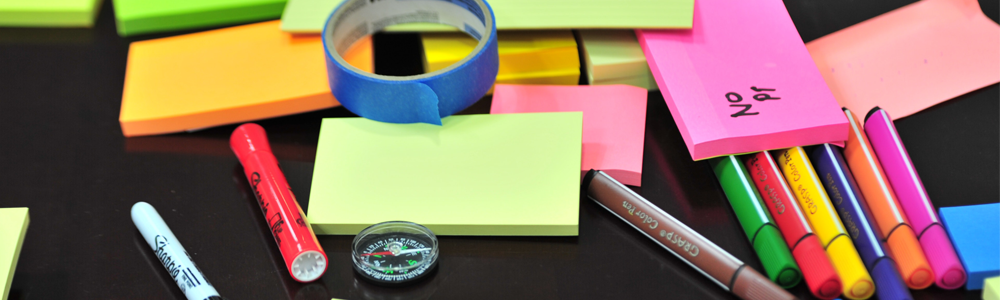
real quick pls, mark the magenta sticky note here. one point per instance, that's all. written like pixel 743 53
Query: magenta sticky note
pixel 741 80
pixel 614 121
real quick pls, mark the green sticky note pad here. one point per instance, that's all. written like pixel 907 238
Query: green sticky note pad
pixel 510 174
pixel 48 13
pixel 13 226
pixel 145 16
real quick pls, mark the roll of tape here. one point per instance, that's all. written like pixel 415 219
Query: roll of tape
pixel 410 99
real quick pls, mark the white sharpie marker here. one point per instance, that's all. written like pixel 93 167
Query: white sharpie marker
pixel 171 254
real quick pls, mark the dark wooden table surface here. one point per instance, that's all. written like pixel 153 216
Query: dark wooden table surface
pixel 62 154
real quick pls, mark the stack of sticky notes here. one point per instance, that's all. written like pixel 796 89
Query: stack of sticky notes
pixel 730 95
pixel 48 13
pixel 305 16
pixel 991 288
pixel 144 16
pixel 975 233
pixel 526 57
pixel 508 174
pixel 911 58
pixel 226 76
pixel 614 121
pixel 615 57
pixel 13 226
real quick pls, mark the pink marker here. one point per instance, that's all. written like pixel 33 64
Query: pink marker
pixel 913 198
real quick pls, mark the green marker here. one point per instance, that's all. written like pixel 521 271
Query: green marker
pixel 756 221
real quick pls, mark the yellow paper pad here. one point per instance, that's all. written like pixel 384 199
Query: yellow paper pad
pixel 227 76
pixel 615 57
pixel 526 57
pixel 510 174
pixel 309 16
pixel 13 226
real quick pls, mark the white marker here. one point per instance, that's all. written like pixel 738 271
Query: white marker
pixel 171 254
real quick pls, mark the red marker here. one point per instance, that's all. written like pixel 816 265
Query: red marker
pixel 816 267
pixel 303 255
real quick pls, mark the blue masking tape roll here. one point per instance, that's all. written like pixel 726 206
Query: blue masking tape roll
pixel 410 99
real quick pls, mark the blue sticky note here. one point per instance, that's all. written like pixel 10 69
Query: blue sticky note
pixel 975 232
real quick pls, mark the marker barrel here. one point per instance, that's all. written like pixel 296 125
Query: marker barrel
pixel 756 221
pixel 171 254
pixel 887 215
pixel 819 211
pixel 817 270
pixel 684 243
pixel 299 247
pixel 899 170
pixel 853 211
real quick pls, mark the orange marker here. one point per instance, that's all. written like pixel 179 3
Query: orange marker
pixel 889 217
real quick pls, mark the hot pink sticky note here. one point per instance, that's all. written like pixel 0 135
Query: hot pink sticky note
pixel 742 81
pixel 911 58
pixel 614 121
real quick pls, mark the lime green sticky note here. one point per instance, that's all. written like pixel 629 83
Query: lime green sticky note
pixel 13 226
pixel 614 57
pixel 309 16
pixel 144 16
pixel 509 174
pixel 991 288
pixel 48 13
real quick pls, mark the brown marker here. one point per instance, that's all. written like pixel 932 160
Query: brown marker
pixel 692 248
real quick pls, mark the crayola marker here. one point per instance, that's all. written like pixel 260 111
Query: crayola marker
pixel 913 198
pixel 817 270
pixel 757 224
pixel 895 230
pixel 819 212
pixel 853 210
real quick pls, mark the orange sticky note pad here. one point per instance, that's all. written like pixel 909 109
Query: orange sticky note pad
pixel 227 76
pixel 911 58
pixel 614 121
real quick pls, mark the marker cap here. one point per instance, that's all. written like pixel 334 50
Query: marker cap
pixel 855 278
pixel 910 259
pixel 890 285
pixel 817 270
pixel 776 258
pixel 949 271
pixel 308 266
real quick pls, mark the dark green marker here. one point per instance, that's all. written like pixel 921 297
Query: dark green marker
pixel 757 223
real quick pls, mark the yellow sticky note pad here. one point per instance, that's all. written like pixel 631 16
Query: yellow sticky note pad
pixel 13 226
pixel 509 174
pixel 526 57
pixel 819 211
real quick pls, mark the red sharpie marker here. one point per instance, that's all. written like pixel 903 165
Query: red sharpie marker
pixel 303 255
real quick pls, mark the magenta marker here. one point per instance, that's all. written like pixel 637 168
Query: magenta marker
pixel 913 198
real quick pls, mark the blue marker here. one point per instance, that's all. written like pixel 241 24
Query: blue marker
pixel 854 212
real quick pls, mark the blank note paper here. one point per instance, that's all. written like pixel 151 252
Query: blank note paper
pixel 513 174
pixel 911 58
pixel 309 16
pixel 13 226
pixel 526 57
pixel 134 17
pixel 614 121
pixel 48 13
pixel 615 57
pixel 742 81
pixel 226 76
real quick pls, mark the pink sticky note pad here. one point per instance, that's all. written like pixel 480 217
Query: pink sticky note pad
pixel 614 121
pixel 911 58
pixel 720 78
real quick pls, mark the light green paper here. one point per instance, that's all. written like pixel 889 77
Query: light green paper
pixel 615 57
pixel 13 226
pixel 146 16
pixel 48 13
pixel 309 16
pixel 510 174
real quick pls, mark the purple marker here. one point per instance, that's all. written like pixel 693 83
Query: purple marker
pixel 913 198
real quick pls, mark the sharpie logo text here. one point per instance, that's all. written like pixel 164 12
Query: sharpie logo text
pixel 182 275
pixel 275 222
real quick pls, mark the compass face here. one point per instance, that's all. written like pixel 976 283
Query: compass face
pixel 395 253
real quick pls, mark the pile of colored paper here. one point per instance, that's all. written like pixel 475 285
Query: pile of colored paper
pixel 615 57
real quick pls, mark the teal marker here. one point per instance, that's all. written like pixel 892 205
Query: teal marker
pixel 756 221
